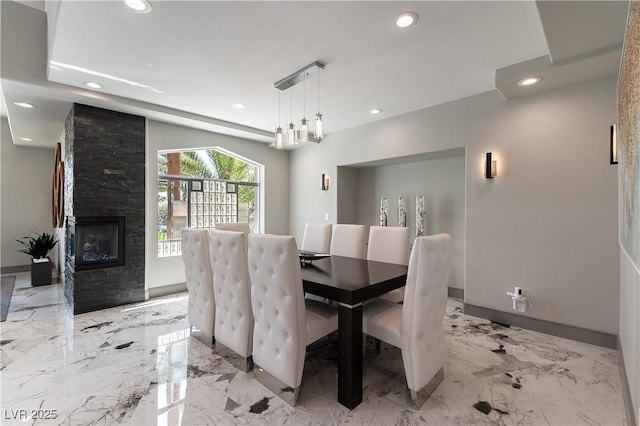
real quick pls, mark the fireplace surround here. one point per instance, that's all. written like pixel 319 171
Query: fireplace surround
pixel 104 178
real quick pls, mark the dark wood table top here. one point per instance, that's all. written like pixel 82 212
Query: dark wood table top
pixel 350 280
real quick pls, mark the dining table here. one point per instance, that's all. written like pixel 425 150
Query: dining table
pixel 350 282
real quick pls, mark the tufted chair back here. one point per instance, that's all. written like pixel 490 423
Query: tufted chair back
pixel 389 244
pixel 238 227
pixel 277 299
pixel 348 240
pixel 199 277
pixel 317 237
pixel 234 318
pixel 421 332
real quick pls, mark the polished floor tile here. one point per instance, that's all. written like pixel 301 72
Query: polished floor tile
pixel 137 365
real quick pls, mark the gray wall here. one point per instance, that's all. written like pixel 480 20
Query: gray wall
pixel 25 174
pixel 547 223
pixel 162 136
pixel 347 190
pixel 442 184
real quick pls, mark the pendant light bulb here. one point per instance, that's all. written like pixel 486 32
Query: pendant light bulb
pixel 304 131
pixel 291 135
pixel 278 135
pixel 318 132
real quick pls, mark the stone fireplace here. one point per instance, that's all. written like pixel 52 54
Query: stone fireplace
pixel 104 208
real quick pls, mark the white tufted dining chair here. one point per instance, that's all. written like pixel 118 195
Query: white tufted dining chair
pixel 317 237
pixel 348 240
pixel 389 244
pixel 416 326
pixel 234 318
pixel 199 277
pixel 238 227
pixel 285 323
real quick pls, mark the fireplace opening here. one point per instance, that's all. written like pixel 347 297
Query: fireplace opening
pixel 95 241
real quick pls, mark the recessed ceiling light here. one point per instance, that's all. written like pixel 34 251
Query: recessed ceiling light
pixel 406 19
pixel 26 139
pixel 140 6
pixel 375 111
pixel 529 81
pixel 93 84
pixel 24 104
pixel 239 106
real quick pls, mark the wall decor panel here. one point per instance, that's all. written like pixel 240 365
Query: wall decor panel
pixel 420 216
pixel 384 211
pixel 628 133
pixel 402 211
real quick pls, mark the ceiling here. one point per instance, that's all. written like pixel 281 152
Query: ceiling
pixel 188 62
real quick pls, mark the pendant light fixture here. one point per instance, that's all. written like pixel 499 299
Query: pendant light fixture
pixel 301 135
pixel 318 133
pixel 279 136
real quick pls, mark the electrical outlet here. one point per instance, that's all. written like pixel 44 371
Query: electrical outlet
pixel 326 216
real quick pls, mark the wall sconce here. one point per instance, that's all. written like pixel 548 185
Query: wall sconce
pixel 490 167
pixel 325 182
pixel 613 145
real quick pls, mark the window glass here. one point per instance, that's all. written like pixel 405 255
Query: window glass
pixel 200 189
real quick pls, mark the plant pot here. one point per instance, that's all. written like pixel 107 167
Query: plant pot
pixel 41 273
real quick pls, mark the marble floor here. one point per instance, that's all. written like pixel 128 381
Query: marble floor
pixel 137 365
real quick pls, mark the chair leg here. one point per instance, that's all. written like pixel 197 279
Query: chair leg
pixel 248 364
pixel 240 362
pixel 207 340
pixel 286 393
pixel 378 346
pixel 418 397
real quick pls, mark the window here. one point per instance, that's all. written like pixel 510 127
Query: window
pixel 199 189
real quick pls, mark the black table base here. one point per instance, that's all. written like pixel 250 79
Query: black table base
pixel 350 355
pixel 350 282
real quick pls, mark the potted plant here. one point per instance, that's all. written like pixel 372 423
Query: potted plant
pixel 38 248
